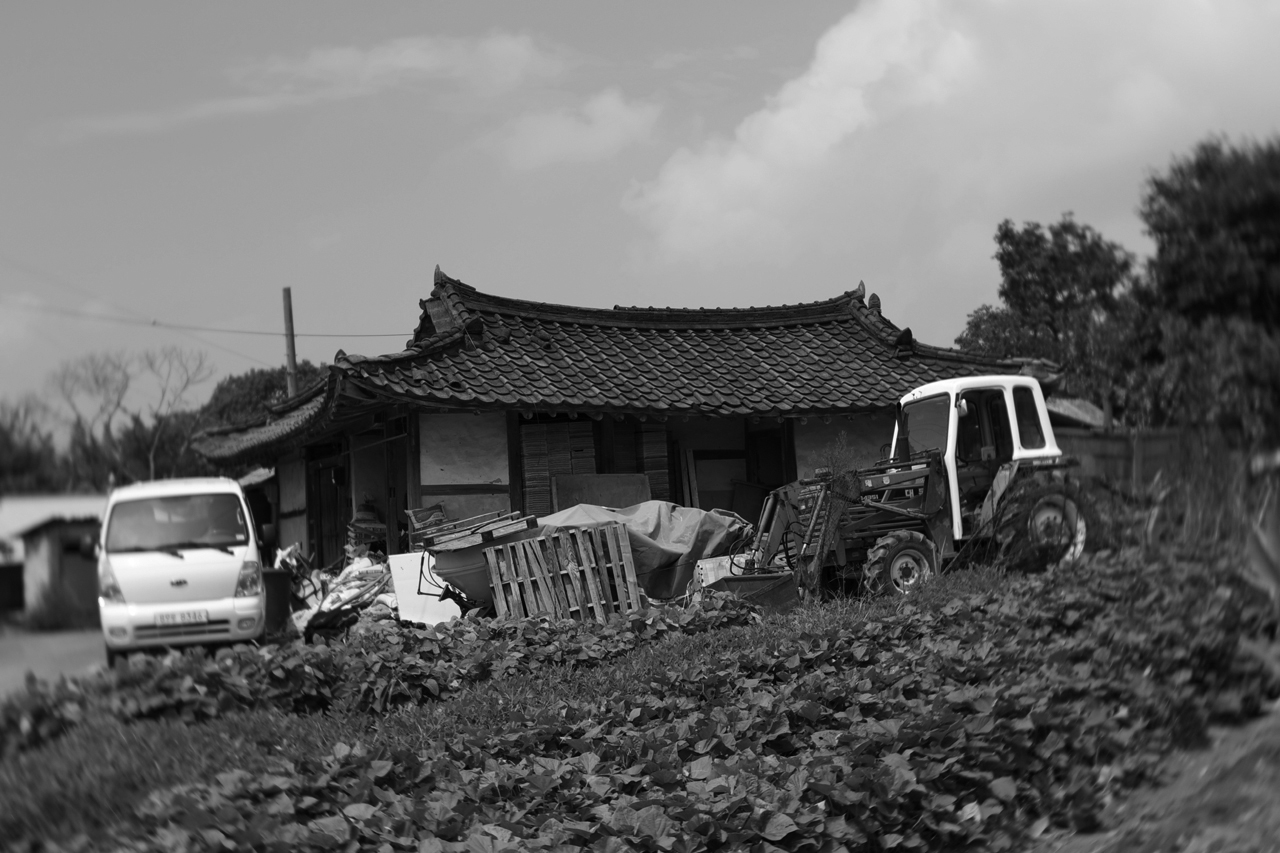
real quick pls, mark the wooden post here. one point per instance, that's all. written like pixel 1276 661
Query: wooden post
pixel 291 357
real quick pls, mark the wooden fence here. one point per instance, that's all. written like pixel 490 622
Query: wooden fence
pixel 1130 460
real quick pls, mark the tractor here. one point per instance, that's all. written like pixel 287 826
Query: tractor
pixel 973 464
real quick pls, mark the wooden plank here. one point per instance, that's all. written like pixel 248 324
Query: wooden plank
pixel 573 574
pixel 475 524
pixel 470 540
pixel 600 560
pixel 551 570
pixel 611 534
pixel 491 556
pixel 525 576
pixel 691 479
pixel 510 587
pixel 501 594
pixel 591 571
pixel 542 581
pixel 526 523
pixel 581 577
pixel 628 567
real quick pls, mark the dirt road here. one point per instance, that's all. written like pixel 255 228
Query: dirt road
pixel 48 655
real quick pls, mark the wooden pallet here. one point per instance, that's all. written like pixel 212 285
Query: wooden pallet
pixel 575 573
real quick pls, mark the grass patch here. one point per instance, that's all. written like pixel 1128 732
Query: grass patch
pixel 95 775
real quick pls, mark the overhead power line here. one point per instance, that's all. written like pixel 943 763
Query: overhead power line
pixel 161 324
pixel 59 282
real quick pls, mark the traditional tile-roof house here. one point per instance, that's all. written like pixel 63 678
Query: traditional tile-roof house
pixel 500 403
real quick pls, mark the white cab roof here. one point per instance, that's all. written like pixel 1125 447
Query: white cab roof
pixel 966 383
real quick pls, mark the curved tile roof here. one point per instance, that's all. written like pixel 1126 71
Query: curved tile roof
pixel 474 350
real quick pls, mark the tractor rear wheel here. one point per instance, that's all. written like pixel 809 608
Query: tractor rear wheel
pixel 1047 525
pixel 900 562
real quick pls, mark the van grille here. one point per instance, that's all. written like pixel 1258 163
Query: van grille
pixel 161 632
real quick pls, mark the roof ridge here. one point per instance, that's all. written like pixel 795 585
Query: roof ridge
pixel 465 302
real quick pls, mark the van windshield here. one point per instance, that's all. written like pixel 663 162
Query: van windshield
pixel 177 521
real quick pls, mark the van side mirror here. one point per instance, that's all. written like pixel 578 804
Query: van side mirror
pixel 962 406
pixel 89 546
pixel 267 536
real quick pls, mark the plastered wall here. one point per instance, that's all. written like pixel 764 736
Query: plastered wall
pixel 463 449
pixel 462 452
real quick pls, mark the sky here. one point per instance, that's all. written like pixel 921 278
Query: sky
pixel 169 165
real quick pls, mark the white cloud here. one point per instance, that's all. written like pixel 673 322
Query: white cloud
pixel 486 66
pixel 919 125
pixel 602 127
pixel 491 64
pixel 736 194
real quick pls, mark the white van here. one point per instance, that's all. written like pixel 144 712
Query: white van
pixel 178 564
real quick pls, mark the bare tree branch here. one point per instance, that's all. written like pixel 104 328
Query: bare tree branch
pixel 176 372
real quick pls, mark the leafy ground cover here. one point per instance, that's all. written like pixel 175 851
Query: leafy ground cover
pixel 385 664
pixel 974 718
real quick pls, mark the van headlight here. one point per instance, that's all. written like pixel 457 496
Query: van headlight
pixel 250 580
pixel 108 587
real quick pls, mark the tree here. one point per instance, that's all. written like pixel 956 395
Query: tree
pixel 1058 287
pixel 175 372
pixel 161 448
pixel 1215 219
pixel 1215 282
pixel 92 390
pixel 247 397
pixel 111 438
pixel 28 459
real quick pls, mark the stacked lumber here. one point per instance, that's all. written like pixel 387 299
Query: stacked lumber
pixel 550 449
pixel 537 473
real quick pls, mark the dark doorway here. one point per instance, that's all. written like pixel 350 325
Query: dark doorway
pixel 331 484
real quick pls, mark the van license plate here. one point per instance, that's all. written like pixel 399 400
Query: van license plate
pixel 187 617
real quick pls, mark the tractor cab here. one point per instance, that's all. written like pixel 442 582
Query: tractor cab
pixel 981 425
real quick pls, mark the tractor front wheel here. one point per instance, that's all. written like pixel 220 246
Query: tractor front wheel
pixel 900 562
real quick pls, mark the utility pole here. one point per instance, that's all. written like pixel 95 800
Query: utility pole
pixel 291 357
